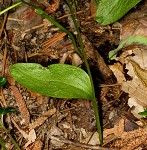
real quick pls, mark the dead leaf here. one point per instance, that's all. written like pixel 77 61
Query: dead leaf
pixel 136 87
pixel 141 73
pixel 117 69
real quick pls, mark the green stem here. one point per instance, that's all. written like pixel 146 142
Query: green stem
pixel 94 102
pixel 2 144
pixel 11 7
pixel 9 135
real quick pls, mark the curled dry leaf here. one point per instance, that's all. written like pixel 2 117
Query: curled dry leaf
pixel 137 87
pixel 117 69
pixel 135 60
pixel 141 73
pixel 134 27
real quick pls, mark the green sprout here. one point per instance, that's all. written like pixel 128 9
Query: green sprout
pixel 2 81
pixel 4 111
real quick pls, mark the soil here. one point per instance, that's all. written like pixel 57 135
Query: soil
pixel 46 123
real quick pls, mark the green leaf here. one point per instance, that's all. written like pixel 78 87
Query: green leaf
pixel 109 11
pixel 144 113
pixel 2 81
pixel 7 110
pixel 130 40
pixel 57 80
pixel 2 144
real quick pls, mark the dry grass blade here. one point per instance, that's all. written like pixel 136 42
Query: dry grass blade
pixel 49 42
pixel 21 104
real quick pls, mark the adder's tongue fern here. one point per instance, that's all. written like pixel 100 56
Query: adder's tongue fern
pixel 82 54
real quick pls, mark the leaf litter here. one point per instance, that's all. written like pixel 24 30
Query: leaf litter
pixel 66 123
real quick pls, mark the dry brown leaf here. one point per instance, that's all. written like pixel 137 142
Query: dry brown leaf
pixel 21 104
pixel 141 73
pixel 117 69
pixel 135 88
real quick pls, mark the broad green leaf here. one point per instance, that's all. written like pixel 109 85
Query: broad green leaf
pixel 130 40
pixel 57 80
pixel 144 113
pixel 109 11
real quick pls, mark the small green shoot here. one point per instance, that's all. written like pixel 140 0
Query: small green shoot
pixel 144 113
pixel 4 111
pixel 130 40
pixel 2 81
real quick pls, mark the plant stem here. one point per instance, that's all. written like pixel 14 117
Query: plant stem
pixel 9 135
pixel 11 7
pixel 94 102
pixel 2 144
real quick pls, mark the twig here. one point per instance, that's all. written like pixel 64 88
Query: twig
pixel 2 28
pixel 2 74
pixel 93 147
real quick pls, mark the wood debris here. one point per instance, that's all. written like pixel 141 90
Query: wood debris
pixel 42 119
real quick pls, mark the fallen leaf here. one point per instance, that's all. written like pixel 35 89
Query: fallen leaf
pixel 141 73
pixel 117 69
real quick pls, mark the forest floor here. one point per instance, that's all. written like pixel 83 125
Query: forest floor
pixel 46 123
